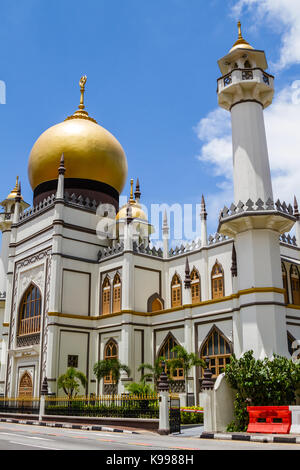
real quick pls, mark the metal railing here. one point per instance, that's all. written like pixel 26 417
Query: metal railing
pixel 22 405
pixel 111 406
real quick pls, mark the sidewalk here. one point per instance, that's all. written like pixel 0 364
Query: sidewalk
pixel 85 427
pixel 259 437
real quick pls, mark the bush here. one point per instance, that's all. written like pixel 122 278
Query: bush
pixel 188 417
pixel 267 382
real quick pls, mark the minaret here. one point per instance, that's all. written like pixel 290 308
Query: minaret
pixel 6 220
pixel 253 220
pixel 203 217
pixel 245 89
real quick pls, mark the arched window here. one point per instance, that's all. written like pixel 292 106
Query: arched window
pixel 30 311
pixel 217 281
pixel 195 286
pixel 295 284
pixel 285 284
pixel 167 353
pixel 110 352
pixel 176 291
pixel 26 386
pixel 117 293
pixel 247 65
pixel 217 349
pixel 156 305
pixel 106 296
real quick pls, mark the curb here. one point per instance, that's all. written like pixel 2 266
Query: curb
pixel 67 426
pixel 251 438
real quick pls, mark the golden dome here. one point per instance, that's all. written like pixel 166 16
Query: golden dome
pixel 90 152
pixel 241 42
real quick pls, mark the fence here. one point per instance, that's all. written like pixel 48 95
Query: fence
pixel 21 405
pixel 112 406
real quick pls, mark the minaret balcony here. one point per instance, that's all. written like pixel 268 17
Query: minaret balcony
pixel 245 85
pixel 260 215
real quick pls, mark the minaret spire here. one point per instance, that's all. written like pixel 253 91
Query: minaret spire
pixel 137 193
pixel 203 217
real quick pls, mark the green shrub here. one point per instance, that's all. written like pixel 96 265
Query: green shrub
pixel 267 382
pixel 187 417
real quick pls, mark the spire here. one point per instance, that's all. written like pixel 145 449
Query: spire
pixel 60 193
pixel 61 168
pixel 187 280
pixel 233 262
pixel 18 199
pixel 203 212
pixel 296 211
pixel 165 234
pixel 203 217
pixel 137 193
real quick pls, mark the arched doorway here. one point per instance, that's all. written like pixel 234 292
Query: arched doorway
pixel 25 386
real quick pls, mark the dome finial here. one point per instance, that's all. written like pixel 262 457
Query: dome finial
pixel 82 83
pixel 241 42
pixel 131 200
pixel 240 30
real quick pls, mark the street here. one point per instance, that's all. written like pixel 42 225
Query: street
pixel 32 437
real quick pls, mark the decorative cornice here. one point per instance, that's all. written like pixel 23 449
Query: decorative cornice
pixel 253 290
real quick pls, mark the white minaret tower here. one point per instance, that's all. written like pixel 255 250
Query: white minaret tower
pixel 253 220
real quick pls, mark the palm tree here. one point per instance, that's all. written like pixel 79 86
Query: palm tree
pixel 71 380
pixel 185 361
pixel 111 367
pixel 155 370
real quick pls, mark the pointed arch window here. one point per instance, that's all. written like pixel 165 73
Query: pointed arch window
pixel 106 296
pixel 217 350
pixel 295 284
pixel 167 353
pixel 285 283
pixel 195 286
pixel 247 64
pixel 156 305
pixel 110 352
pixel 30 311
pixel 117 293
pixel 176 295
pixel 217 281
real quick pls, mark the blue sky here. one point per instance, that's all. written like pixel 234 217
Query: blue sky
pixel 152 70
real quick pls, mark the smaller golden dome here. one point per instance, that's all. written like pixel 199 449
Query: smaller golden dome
pixel 14 192
pixel 132 209
pixel 241 43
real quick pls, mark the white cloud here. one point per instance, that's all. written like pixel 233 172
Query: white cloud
pixel 284 17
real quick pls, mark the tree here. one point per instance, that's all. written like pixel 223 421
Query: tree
pixel 257 382
pixel 155 370
pixel 110 366
pixel 70 381
pixel 184 360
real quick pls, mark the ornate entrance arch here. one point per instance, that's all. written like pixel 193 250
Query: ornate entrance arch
pixel 26 385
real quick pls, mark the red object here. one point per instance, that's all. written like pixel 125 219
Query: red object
pixel 269 419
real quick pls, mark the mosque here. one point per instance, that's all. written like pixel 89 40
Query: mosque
pixel 80 281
